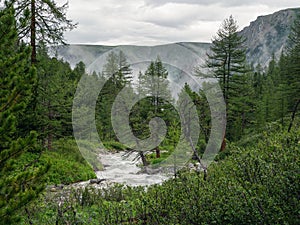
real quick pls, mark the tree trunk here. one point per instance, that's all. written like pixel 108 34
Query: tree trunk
pixel 223 146
pixel 198 158
pixel 157 151
pixel 144 160
pixel 49 127
pixel 293 115
pixel 33 32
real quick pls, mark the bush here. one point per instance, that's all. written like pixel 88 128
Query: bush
pixel 67 164
pixel 114 146
pixel 254 185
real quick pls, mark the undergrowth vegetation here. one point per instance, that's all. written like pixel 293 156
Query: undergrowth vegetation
pixel 254 185
pixel 67 164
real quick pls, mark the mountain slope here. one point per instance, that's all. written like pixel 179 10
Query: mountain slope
pixel 265 36
pixel 268 35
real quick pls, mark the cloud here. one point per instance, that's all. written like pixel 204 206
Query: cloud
pixel 176 15
pixel 226 3
pixel 150 22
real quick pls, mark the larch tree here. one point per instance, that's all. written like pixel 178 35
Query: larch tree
pixel 156 85
pixel 41 21
pixel 117 68
pixel 227 59
pixel 227 55
pixel 116 74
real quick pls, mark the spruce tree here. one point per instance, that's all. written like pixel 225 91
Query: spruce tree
pixel 156 84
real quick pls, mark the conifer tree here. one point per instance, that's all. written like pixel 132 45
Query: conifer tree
pixel 281 92
pixel 227 60
pixel 227 55
pixel 56 87
pixel 41 21
pixel 156 86
pixel 20 176
pixel 139 113
pixel 293 67
pixel 258 86
pixel 117 68
pixel 294 61
pixel 241 106
pixel 118 74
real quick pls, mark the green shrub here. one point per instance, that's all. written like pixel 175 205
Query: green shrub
pixel 253 185
pixel 66 163
pixel 114 146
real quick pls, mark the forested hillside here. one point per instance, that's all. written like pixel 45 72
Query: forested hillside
pixel 47 138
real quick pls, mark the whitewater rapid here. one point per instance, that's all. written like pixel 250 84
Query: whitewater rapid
pixel 124 170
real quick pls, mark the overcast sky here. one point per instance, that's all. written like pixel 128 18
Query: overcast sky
pixel 152 22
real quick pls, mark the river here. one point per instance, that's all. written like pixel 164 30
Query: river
pixel 120 169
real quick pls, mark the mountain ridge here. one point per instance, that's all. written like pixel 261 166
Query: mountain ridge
pixel 265 36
